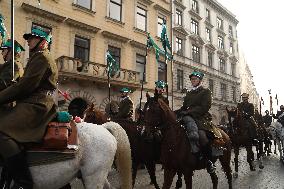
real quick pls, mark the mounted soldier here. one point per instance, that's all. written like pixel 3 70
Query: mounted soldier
pixel 280 115
pixel 6 69
pixel 125 108
pixel 267 119
pixel 160 87
pixel 247 111
pixel 197 119
pixel 34 108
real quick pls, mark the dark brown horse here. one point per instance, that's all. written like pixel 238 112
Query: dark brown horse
pixel 240 137
pixel 176 153
pixel 143 151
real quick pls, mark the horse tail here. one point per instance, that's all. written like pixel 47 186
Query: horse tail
pixel 123 154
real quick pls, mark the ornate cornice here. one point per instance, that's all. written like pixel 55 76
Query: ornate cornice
pixel 233 59
pixel 179 4
pixel 41 12
pixel 210 46
pixel 180 30
pixel 232 38
pixel 222 53
pixel 137 44
pixel 160 8
pixel 195 15
pixel 115 36
pixel 196 39
pixel 82 25
pixel 148 2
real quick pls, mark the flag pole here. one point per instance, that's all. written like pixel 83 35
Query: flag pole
pixel 108 82
pixel 12 38
pixel 172 65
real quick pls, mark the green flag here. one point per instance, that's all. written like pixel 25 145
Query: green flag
pixel 164 38
pixel 3 30
pixel 112 65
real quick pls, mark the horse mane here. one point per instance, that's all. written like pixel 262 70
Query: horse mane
pixel 95 115
pixel 170 116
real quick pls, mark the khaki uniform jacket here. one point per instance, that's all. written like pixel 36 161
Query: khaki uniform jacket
pixel 198 103
pixel 125 110
pixel 6 73
pixel 27 121
pixel 247 111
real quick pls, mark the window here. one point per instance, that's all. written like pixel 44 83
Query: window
pixel 231 48
pixel 210 59
pixel 141 19
pixel 211 86
pixel 230 31
pixel 223 91
pixel 178 17
pixel 233 69
pixel 208 34
pixel 195 53
pixel 195 6
pixel 115 7
pixel 208 15
pixel 140 62
pixel 115 53
pixel 220 42
pixel 161 71
pixel 160 24
pixel 179 79
pixel 234 94
pixel 81 48
pixel 194 26
pixel 222 65
pixel 179 46
pixel 219 23
pixel 84 3
pixel 45 28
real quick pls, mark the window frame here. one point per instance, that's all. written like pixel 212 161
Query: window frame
pixel 143 77
pixel 220 23
pixel 159 25
pixel 231 31
pixel 222 64
pixel 194 6
pixel 194 26
pixel 145 17
pixel 164 71
pixel 210 59
pixel 195 53
pixel 178 20
pixel 211 86
pixel 234 96
pixel 179 51
pixel 233 69
pixel 223 90
pixel 231 49
pixel 86 49
pixel 91 4
pixel 120 5
pixel 208 34
pixel 115 56
pixel 221 42
pixel 180 79
pixel 207 12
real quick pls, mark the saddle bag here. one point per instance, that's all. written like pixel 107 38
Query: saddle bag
pixel 56 136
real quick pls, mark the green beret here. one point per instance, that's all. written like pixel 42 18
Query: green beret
pixel 8 44
pixel 125 90
pixel 160 84
pixel 198 74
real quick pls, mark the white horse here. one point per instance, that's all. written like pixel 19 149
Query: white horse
pixel 98 146
pixel 277 132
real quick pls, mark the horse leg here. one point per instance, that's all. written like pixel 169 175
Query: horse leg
pixel 168 177
pixel 225 161
pixel 260 158
pixel 250 157
pixel 134 172
pixel 236 160
pixel 214 179
pixel 179 180
pixel 188 179
pixel 151 167
pixel 278 143
pixel 275 146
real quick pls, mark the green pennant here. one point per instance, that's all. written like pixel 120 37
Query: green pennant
pixel 112 65
pixel 164 38
pixel 3 30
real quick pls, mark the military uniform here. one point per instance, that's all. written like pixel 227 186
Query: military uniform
pixel 267 119
pixel 33 93
pixel 279 116
pixel 125 110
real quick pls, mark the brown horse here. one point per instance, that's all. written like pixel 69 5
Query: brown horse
pixel 176 153
pixel 240 137
pixel 143 151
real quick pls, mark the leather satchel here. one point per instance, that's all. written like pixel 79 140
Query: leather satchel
pixel 56 136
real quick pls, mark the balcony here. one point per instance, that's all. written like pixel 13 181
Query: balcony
pixel 70 67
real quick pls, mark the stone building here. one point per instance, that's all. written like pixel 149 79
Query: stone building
pixel 205 39
pixel 83 30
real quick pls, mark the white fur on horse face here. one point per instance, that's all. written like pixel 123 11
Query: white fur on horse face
pixel 97 148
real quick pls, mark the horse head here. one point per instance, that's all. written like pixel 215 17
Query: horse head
pixel 92 115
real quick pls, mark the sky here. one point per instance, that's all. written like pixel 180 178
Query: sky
pixel 260 34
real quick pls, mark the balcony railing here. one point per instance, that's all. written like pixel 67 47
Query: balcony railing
pixel 72 67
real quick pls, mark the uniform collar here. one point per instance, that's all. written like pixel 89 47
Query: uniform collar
pixel 124 98
pixel 195 88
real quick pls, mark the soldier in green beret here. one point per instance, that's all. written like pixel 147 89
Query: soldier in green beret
pixel 125 108
pixel 6 69
pixel 247 110
pixel 197 119
pixel 34 109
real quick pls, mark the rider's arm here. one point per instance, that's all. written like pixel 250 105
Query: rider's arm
pixel 126 109
pixel 35 72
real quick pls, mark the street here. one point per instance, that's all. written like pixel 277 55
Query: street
pixel 271 177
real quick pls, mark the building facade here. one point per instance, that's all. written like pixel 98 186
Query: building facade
pixel 205 39
pixel 247 83
pixel 83 31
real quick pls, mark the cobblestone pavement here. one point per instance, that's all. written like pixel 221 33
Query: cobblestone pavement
pixel 271 177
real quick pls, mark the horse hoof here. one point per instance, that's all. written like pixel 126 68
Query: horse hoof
pixel 235 175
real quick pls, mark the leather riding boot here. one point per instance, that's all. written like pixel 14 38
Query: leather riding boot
pixel 19 170
pixel 207 153
pixel 6 179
